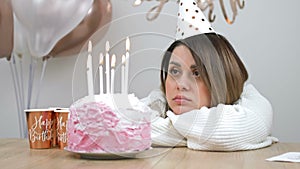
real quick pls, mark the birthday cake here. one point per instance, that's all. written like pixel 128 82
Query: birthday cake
pixel 109 124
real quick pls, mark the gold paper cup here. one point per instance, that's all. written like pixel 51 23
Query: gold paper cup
pixel 54 133
pixel 61 117
pixel 40 123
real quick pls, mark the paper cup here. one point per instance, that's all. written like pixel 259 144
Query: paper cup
pixel 54 137
pixel 40 123
pixel 61 117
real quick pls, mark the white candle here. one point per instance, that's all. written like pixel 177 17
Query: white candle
pixel 127 64
pixel 123 75
pixel 90 47
pixel 89 70
pixel 127 44
pixel 113 64
pixel 107 70
pixel 137 2
pixel 101 58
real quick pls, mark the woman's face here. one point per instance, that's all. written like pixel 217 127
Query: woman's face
pixel 185 90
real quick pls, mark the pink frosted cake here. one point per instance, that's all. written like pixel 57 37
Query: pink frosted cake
pixel 109 123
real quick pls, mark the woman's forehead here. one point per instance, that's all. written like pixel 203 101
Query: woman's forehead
pixel 183 56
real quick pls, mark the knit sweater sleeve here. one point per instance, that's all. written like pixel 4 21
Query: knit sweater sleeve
pixel 163 132
pixel 243 126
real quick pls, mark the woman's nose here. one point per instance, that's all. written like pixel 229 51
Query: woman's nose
pixel 183 83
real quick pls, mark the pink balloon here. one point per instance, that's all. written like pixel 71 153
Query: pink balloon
pixel 6 28
pixel 99 15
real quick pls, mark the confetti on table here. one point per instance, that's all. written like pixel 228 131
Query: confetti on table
pixel 286 157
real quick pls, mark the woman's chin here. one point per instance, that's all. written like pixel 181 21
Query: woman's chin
pixel 181 110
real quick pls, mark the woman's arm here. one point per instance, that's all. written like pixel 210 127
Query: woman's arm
pixel 163 133
pixel 156 101
pixel 162 130
pixel 243 126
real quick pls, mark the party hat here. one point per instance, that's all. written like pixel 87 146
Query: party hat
pixel 191 20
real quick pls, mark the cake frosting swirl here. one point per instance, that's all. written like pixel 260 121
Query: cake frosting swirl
pixel 109 123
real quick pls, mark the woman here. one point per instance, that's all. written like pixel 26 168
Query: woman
pixel 207 103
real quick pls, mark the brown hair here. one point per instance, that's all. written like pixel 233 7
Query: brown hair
pixel 221 69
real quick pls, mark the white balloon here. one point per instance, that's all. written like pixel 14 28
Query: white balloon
pixel 20 46
pixel 45 22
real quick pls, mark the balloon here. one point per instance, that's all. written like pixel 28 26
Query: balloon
pixel 99 15
pixel 20 46
pixel 45 22
pixel 6 28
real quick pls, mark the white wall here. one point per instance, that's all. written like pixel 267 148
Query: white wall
pixel 265 35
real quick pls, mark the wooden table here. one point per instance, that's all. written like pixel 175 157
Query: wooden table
pixel 15 154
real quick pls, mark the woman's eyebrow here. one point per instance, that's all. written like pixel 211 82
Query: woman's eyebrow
pixel 175 63
pixel 195 67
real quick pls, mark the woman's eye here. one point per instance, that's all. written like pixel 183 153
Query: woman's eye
pixel 174 71
pixel 196 73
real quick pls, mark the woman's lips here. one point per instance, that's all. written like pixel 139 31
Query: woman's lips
pixel 180 99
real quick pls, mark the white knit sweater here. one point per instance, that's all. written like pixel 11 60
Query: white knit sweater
pixel 245 125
